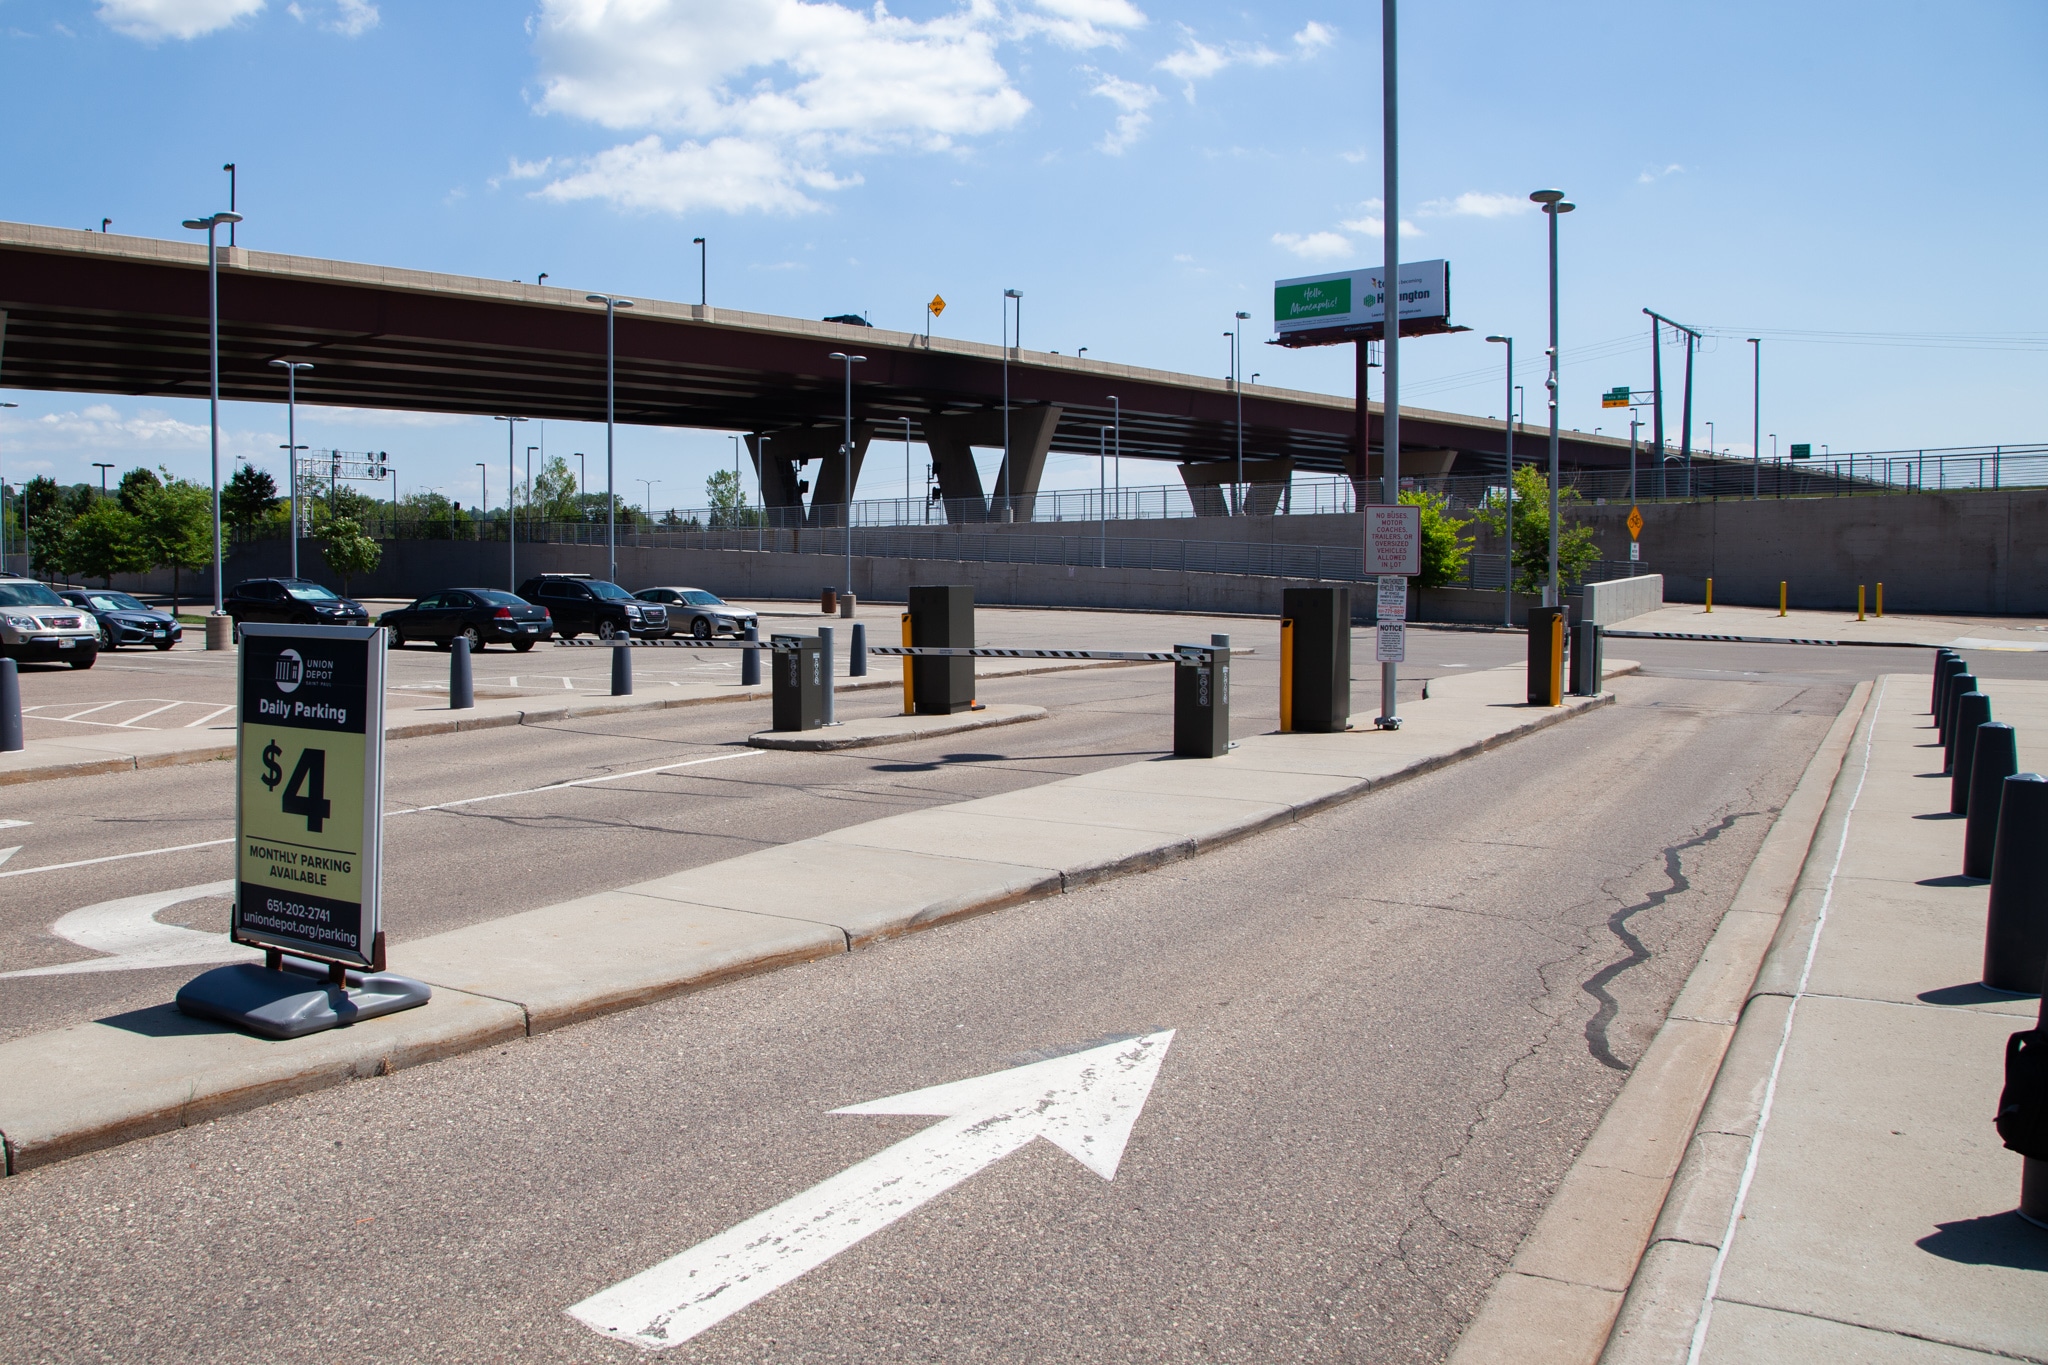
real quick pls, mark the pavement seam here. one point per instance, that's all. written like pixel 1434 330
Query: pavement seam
pixel 1504 1331
pixel 1990 1352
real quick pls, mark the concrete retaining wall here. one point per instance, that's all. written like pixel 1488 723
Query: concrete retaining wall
pixel 1621 598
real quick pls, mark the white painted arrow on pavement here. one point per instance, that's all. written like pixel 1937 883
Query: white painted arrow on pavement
pixel 1084 1103
pixel 127 928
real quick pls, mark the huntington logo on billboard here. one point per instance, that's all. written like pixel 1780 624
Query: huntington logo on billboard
pixel 309 792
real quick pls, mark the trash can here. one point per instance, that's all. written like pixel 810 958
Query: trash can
pixel 942 617
pixel 798 685
pixel 1588 667
pixel 1201 703
pixel 1315 660
pixel 1546 656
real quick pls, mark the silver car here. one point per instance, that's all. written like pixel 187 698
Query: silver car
pixel 703 614
pixel 36 625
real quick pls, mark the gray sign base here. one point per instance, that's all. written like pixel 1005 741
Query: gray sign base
pixel 296 1001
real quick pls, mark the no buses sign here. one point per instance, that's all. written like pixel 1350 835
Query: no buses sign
pixel 309 791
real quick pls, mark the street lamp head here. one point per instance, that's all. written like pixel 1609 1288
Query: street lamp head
pixel 849 359
pixel 1242 317
pixel 1012 294
pixel 608 300
pixel 1500 339
pixel 1546 196
pixel 293 365
pixel 212 220
pixel 696 241
pixel 1566 207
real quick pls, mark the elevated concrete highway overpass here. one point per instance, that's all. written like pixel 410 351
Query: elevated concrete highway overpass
pixel 91 313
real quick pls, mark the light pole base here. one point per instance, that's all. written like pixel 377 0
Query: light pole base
pixel 220 631
pixel 1386 722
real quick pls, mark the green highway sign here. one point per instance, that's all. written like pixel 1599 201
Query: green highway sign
pixel 1802 451
pixel 1616 397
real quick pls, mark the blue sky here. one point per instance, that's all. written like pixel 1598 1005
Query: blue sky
pixel 1870 171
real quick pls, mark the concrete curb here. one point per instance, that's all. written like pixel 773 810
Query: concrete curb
pixel 1619 1239
pixel 94 1085
pixel 872 730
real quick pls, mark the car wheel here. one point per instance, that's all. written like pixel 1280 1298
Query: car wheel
pixel 607 630
pixel 167 644
pixel 85 661
pixel 700 628
pixel 107 640
pixel 475 638
pixel 398 639
pixel 521 646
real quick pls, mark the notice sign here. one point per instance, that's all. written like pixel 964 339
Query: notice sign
pixel 1393 539
pixel 309 790
pixel 1390 645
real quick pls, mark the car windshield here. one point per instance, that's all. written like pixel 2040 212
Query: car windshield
pixel 609 590
pixel 29 595
pixel 310 592
pixel 501 599
pixel 697 597
pixel 115 601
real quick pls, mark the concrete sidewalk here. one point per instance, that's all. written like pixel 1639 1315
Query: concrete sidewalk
pixel 1842 1194
pixel 2022 634
pixel 77 1089
pixel 410 715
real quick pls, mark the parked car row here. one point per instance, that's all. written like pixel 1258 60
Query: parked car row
pixel 38 622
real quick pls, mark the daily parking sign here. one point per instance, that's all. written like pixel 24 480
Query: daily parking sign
pixel 309 791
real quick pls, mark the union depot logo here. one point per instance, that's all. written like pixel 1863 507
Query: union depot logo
pixel 291 671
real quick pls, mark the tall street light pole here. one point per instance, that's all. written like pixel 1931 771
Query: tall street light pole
pixel 846 449
pixel 906 468
pixel 1507 610
pixel 230 169
pixel 1390 321
pixel 102 468
pixel 1554 204
pixel 3 510
pixel 1756 422
pixel 291 370
pixel 1237 384
pixel 511 477
pixel 649 483
pixel 1116 453
pixel 1102 488
pixel 612 306
pixel 211 225
pixel 1009 294
pixel 703 272
pixel 483 478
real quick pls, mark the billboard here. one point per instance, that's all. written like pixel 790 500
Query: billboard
pixel 1357 298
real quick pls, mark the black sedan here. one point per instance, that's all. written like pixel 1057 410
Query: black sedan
pixel 125 621
pixel 480 615
pixel 292 602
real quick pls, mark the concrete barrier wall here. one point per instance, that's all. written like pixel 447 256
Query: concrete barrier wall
pixel 1620 598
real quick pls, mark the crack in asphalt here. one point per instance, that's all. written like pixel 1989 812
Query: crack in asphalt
pixel 1617 923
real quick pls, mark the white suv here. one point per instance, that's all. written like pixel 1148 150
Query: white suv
pixel 36 625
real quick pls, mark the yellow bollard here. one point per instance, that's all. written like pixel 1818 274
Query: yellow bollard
pixel 1710 595
pixel 1781 597
pixel 1557 658
pixel 1859 601
pixel 1286 674
pixel 1880 601
pixel 909 691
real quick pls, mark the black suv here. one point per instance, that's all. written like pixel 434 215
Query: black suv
pixel 291 602
pixel 606 610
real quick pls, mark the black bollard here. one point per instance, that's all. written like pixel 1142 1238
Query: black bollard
pixel 461 683
pixel 857 667
pixel 1957 686
pixel 1941 657
pixel 1973 709
pixel 622 667
pixel 1997 758
pixel 2016 926
pixel 10 708
pixel 1943 694
pixel 750 659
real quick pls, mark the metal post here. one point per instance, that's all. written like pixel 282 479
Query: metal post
pixel 213 388
pixel 1009 294
pixel 511 476
pixel 3 492
pixel 291 370
pixel 1756 424
pixel 1554 204
pixel 611 376
pixel 1657 398
pixel 1685 418
pixel 825 637
pixel 906 468
pixel 1102 488
pixel 1390 319
pixel 846 449
pixel 1507 609
pixel 1116 452
pixel 703 272
pixel 1237 386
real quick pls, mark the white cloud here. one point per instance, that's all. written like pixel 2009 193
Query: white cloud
pixel 1314 36
pixel 1373 221
pixel 1653 174
pixel 152 20
pixel 1081 24
pixel 1314 246
pixel 1475 204
pixel 1134 100
pixel 355 18
pixel 762 94
pixel 1197 60
pixel 104 427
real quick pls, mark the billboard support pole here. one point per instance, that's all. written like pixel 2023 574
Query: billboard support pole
pixel 1390 322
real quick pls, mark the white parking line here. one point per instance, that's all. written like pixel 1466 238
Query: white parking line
pixel 409 810
pixel 210 715
pixel 136 720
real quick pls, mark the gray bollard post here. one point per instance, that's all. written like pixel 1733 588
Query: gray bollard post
pixel 1973 709
pixel 1997 758
pixel 1941 657
pixel 461 681
pixel 857 664
pixel 750 659
pixel 622 666
pixel 1942 694
pixel 825 649
pixel 10 708
pixel 1957 686
pixel 2016 925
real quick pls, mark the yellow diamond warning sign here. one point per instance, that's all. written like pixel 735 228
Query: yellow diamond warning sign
pixel 937 305
pixel 1635 523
